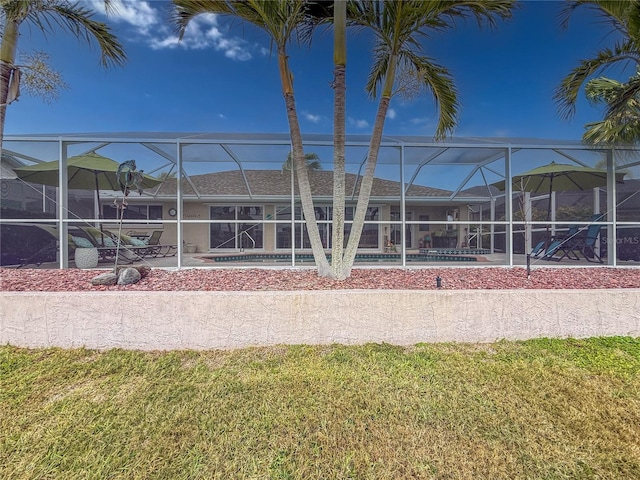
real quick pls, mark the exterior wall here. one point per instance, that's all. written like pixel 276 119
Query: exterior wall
pixel 199 234
pixel 196 234
pixel 225 320
pixel 269 229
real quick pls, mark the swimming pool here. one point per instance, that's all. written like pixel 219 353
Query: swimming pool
pixel 426 256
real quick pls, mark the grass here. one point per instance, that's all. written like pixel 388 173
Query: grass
pixel 540 409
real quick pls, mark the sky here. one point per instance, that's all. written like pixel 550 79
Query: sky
pixel 223 77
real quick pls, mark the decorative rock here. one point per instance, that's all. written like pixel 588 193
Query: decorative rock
pixel 143 270
pixel 128 276
pixel 108 278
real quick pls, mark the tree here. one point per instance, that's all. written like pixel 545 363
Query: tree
pixel 398 26
pixel 621 126
pixel 620 98
pixel 311 160
pixel 281 21
pixel 339 137
pixel 45 15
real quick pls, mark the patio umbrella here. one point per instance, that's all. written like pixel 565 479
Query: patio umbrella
pixel 89 171
pixel 558 177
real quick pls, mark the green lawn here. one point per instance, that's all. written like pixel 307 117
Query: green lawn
pixel 541 409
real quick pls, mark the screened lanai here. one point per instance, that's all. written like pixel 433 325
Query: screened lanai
pixel 224 199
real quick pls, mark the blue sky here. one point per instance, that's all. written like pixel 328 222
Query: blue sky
pixel 222 78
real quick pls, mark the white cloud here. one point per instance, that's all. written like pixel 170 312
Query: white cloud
pixel 222 116
pixel 171 41
pixel 151 26
pixel 391 113
pixel 311 117
pixel 419 120
pixel 358 123
pixel 137 13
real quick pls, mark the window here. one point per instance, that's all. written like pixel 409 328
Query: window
pixel 324 217
pixel 424 223
pixel 396 228
pixel 134 212
pixel 243 227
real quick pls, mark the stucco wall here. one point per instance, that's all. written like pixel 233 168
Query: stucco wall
pixel 211 320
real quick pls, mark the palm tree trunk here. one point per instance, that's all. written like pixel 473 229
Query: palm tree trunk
pixel 339 85
pixel 300 166
pixel 367 180
pixel 7 59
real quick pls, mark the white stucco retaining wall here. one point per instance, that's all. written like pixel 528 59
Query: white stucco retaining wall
pixel 224 320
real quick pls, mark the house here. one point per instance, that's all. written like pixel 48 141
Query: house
pixel 251 209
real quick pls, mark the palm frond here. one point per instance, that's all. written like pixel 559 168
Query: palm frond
pixel 281 20
pixel 317 13
pixel 486 13
pixel 622 119
pixel 186 10
pixel 439 81
pixel 624 98
pixel 378 70
pixel 601 89
pixel 566 94
pixel 78 20
pixel 609 132
pixel 615 13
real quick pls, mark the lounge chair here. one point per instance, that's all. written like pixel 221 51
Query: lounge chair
pixel 538 250
pixel 587 245
pixel 156 249
pixel 567 245
pixel 106 243
pixel 563 246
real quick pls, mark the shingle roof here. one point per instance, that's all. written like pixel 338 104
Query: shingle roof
pixel 278 183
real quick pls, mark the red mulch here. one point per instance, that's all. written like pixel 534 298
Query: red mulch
pixel 307 279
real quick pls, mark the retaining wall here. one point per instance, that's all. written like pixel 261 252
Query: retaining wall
pixel 225 320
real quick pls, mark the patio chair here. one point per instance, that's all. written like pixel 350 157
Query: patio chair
pixel 538 250
pixel 107 244
pixel 587 245
pixel 564 245
pixel 157 249
pixel 45 254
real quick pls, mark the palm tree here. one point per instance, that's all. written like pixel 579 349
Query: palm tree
pixel 46 15
pixel 398 26
pixel 624 18
pixel 621 126
pixel 339 137
pixel 311 160
pixel 281 21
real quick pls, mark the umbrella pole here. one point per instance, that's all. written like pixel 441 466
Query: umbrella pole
pixel 95 175
pixel 548 236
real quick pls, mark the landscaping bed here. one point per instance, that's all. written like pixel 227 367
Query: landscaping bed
pixel 256 279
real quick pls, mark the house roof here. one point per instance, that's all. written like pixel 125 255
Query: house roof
pixel 278 183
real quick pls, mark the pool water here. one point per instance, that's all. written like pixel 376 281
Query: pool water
pixel 430 256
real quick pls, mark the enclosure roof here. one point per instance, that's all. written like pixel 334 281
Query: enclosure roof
pixel 473 153
pixel 284 138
